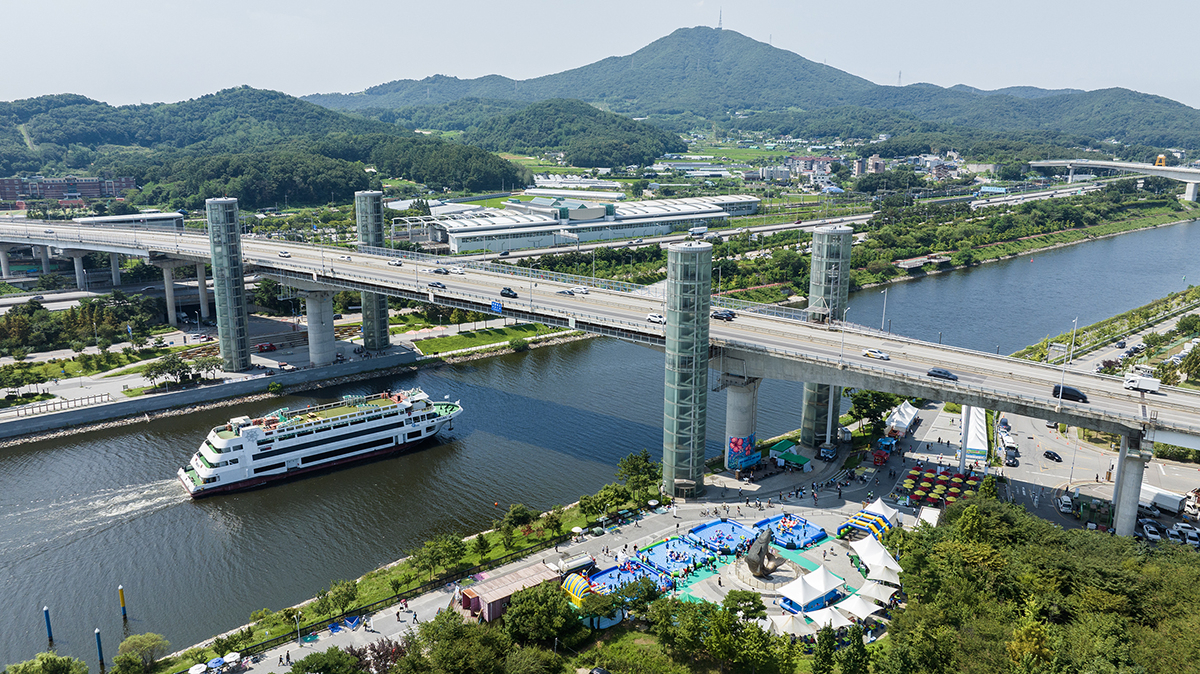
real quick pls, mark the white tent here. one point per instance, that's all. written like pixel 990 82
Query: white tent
pixel 884 574
pixel 800 592
pixel 790 623
pixel 901 419
pixel 822 580
pixel 883 510
pixel 829 616
pixel 858 607
pixel 873 554
pixel 876 591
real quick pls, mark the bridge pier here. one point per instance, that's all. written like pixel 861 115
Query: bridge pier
pixel 5 269
pixel 114 264
pixel 80 273
pixel 44 251
pixel 318 306
pixel 1131 467
pixel 368 216
pixel 202 289
pixel 168 267
pixel 1190 191
pixel 225 245
pixel 741 420
pixel 685 389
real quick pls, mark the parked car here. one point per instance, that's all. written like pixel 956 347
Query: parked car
pixel 437 284
pixel 876 353
pixel 1053 456
pixel 1193 539
pixel 508 292
pixel 1120 344
pixel 1012 462
pixel 265 346
pixel 656 318
pixel 284 253
pixel 1152 533
pixel 1143 521
pixel 1184 526
pixel 39 297
pixel 1068 393
pixel 941 373
pixel 1174 537
pixel 395 262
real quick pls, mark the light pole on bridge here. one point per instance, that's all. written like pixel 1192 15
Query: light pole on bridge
pixel 843 329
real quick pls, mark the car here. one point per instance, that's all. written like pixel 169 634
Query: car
pixel 721 314
pixel 1148 510
pixel 564 291
pixel 441 270
pixel 941 373
pixel 637 241
pixel 265 346
pixel 1143 521
pixel 1003 424
pixel 1192 538
pixel 1064 504
pixel 1174 537
pixel 1120 344
pixel 284 253
pixel 1151 533
pixel 656 318
pixel 509 293
pixel 345 258
pixel 1051 424
pixel 1068 393
pixel 39 297
pixel 876 353
pixel 457 270
pixel 199 337
pixel 1184 526
pixel 148 289
pixel 395 263
pixel 1012 462
pixel 580 290
pixel 337 317
pixel 504 253
pixel 47 231
pixel 1053 456
pixel 437 284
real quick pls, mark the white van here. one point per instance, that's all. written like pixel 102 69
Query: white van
pixel 1064 504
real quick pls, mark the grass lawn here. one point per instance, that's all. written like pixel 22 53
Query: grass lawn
pixel 24 399
pixel 466 340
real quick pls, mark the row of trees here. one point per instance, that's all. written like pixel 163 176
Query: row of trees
pixel 99 321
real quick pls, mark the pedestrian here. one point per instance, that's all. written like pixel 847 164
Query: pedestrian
pixel 287 660
pixel 397 615
pixel 281 660
pixel 825 554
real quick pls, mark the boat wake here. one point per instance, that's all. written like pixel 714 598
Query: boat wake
pixel 77 515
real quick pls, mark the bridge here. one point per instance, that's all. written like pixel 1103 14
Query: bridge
pixel 763 342
pixel 1190 176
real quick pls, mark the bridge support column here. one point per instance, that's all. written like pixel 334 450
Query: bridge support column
pixel 44 251
pixel 368 216
pixel 5 269
pixel 114 263
pixel 169 288
pixel 1129 484
pixel 80 273
pixel 741 422
pixel 229 288
pixel 1190 191
pixel 685 390
pixel 202 289
pixel 322 347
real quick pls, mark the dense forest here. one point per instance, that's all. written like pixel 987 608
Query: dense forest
pixel 260 146
pixel 587 136
pixel 462 115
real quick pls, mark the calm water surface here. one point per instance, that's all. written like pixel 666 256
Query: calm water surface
pixel 82 515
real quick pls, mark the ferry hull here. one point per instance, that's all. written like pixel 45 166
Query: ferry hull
pixel 264 480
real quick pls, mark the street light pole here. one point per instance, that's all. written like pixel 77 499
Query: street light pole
pixel 881 320
pixel 1063 379
pixel 843 329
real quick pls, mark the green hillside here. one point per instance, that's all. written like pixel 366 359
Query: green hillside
pixel 587 136
pixel 713 73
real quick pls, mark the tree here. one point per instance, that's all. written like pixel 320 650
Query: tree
pixel 480 546
pixel 451 549
pixel 332 661
pixel 596 605
pixel 207 365
pixel 825 653
pixel 745 604
pixel 639 595
pixel 554 520
pixel 524 660
pixel 987 488
pixel 1167 373
pixel 1029 642
pixel 871 406
pixel 342 594
pixel 519 515
pixel 146 647
pixel 855 659
pixel 507 535
pixel 640 475
pixel 538 614
pixel 48 663
pixel 612 495
pixel 1191 365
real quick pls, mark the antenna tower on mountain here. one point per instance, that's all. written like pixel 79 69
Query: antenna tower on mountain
pixel 898 76
pixel 719 12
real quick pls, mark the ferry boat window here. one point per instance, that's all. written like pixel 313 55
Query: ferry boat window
pixel 414 435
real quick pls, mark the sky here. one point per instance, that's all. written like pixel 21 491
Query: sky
pixel 136 51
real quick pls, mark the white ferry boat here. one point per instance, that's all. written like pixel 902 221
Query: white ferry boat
pixel 247 453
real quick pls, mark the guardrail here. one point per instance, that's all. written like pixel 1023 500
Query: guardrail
pixel 63 404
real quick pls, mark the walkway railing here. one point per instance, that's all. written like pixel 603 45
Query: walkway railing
pixel 63 404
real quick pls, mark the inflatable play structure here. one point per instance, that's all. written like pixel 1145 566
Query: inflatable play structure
pixel 792 532
pixel 673 555
pixel 722 536
pixel 577 587
pixel 628 570
pixel 874 519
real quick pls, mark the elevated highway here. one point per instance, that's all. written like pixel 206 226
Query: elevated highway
pixel 1190 176
pixel 765 341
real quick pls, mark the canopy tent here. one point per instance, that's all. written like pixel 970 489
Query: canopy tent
pixel 793 458
pixel 790 623
pixel 876 591
pixel 884 574
pixel 858 607
pixel 198 669
pixel 822 580
pixel 800 593
pixel 899 421
pixel 874 554
pixel 884 510
pixel 828 616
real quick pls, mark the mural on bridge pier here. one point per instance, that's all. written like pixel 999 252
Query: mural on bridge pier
pixel 741 453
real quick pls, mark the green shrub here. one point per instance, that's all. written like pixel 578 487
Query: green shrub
pixel 518 344
pixel 275 388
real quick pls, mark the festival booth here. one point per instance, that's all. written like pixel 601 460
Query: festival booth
pixel 814 590
pixel 792 532
pixel 876 591
pixel 722 536
pixel 792 624
pixel 577 586
pixel 781 452
pixel 490 598
pixel 901 420
pixel 975 438
pixel 858 607
pixel 673 555
pixel 828 616
pixel 872 553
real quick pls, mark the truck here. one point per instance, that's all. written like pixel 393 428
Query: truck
pixel 1191 505
pixel 1137 382
pixel 1162 499
pixel 883 451
pixel 697 232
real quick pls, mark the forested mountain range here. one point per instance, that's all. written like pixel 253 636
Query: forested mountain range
pixel 587 136
pixel 263 147
pixel 715 73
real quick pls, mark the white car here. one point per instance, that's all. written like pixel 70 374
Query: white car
pixel 580 290
pixel 1173 536
pixel 656 318
pixel 1184 527
pixel 457 270
pixel 876 353
pixel 1193 539
pixel 284 253
pixel 1151 533
pixel 395 263
pixel 345 258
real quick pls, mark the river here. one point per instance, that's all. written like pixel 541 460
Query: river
pixel 80 516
